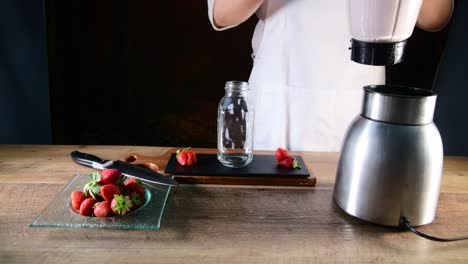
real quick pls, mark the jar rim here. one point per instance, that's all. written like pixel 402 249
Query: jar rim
pixel 237 86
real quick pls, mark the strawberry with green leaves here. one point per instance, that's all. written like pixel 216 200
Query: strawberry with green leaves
pixel 135 190
pixel 121 204
pixel 137 201
pixel 186 157
pixel 285 160
pixel 133 185
pixel 93 188
pixel 289 162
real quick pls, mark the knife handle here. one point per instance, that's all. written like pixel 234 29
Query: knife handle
pixel 87 159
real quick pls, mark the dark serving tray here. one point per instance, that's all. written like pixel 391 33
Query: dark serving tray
pixel 261 166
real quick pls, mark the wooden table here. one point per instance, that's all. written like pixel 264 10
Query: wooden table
pixel 218 224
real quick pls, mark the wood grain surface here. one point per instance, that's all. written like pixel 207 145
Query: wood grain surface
pixel 218 224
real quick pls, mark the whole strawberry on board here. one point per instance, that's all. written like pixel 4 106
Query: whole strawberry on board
pixel 281 154
pixel 285 160
pixel 186 157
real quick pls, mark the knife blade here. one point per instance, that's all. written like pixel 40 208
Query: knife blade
pixel 127 169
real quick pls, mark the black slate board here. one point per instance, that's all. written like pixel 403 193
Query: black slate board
pixel 261 166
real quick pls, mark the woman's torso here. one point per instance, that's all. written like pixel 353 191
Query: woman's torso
pixel 306 88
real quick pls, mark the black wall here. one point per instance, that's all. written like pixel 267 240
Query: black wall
pixel 451 83
pixel 140 72
pixel 24 94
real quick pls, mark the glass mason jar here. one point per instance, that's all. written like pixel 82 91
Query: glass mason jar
pixel 235 126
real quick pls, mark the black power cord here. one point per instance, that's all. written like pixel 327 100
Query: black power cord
pixel 404 222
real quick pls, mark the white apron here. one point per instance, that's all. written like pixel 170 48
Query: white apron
pixel 306 89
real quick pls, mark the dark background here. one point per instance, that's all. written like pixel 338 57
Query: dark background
pixel 140 72
pixel 152 72
pixel 24 87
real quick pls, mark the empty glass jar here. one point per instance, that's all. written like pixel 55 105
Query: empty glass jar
pixel 235 126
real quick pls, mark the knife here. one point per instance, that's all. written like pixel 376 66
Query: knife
pixel 127 169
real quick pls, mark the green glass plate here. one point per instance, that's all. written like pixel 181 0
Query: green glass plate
pixel 59 212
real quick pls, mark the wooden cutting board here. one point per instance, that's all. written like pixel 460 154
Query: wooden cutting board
pixel 261 171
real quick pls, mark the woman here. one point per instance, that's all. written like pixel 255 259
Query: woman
pixel 306 89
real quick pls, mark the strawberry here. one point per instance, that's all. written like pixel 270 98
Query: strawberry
pixel 103 209
pixel 86 207
pixel 182 158
pixel 93 188
pixel 108 191
pixel 137 200
pixel 130 181
pixel 77 197
pixel 186 157
pixel 281 154
pixel 135 188
pixel 110 176
pixel 121 205
pixel 289 162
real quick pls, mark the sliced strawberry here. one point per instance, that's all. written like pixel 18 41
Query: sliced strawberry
pixel 103 209
pixel 110 176
pixel 121 204
pixel 281 154
pixel 108 191
pixel 289 162
pixel 86 207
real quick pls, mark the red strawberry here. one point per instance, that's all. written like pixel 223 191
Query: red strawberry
pixel 108 191
pixel 137 200
pixel 193 154
pixel 110 176
pixel 121 205
pixel 77 197
pixel 103 209
pixel 289 162
pixel 86 207
pixel 182 158
pixel 186 157
pixel 135 188
pixel 281 154
pixel 135 191
pixel 130 181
